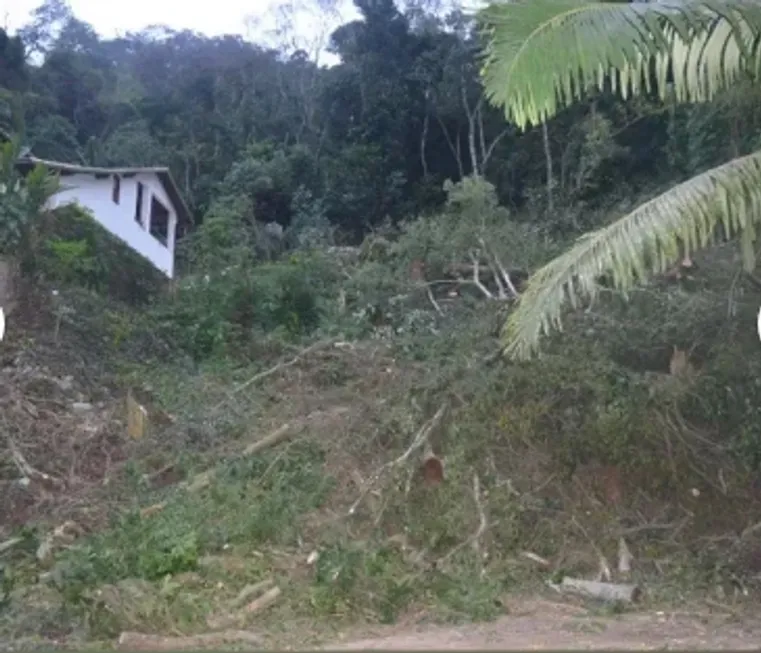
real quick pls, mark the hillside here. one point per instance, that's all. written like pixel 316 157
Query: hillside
pixel 317 439
pixel 306 465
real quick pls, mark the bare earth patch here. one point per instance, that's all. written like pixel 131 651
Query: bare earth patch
pixel 547 625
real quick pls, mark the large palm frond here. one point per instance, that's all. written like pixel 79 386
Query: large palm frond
pixel 542 55
pixel 643 243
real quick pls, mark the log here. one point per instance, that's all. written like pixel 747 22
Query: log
pixel 265 600
pixel 131 641
pixel 231 617
pixel 625 593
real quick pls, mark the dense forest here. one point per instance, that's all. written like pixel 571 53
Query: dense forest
pixel 328 407
pixel 370 138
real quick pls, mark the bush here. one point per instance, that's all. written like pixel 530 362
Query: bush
pixel 220 312
pixel 76 251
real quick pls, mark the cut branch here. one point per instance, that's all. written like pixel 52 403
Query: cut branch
pixel 477 277
pixel 275 368
pixel 279 435
pixel 418 442
pixel 475 539
pixel 598 590
pixel 27 470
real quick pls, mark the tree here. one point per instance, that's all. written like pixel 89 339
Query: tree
pixel 543 55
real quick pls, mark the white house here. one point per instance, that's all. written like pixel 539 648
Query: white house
pixel 140 206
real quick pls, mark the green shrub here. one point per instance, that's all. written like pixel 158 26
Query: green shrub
pixel 76 251
pixel 222 311
pixel 252 501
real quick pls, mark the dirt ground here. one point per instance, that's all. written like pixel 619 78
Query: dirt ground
pixel 546 625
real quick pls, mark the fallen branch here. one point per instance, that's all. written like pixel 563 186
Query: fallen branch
pixel 269 440
pixel 419 440
pixel 483 523
pixel 9 544
pixel 530 555
pixel 27 470
pixel 280 434
pixel 477 278
pixel 496 263
pixel 131 641
pixel 598 590
pixel 250 590
pixel 279 366
pixel 433 301
pixel 264 601
pixel 152 509
pixel 230 618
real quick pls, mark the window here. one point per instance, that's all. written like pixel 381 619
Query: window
pixel 116 189
pixel 159 222
pixel 139 205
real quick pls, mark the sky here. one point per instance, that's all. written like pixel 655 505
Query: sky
pixel 255 20
pixel 212 18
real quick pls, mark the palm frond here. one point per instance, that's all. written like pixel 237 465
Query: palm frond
pixel 543 55
pixel 643 243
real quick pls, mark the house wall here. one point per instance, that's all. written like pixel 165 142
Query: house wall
pixel 119 219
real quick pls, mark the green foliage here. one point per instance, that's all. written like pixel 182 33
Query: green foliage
pixel 331 154
pixel 22 201
pixel 579 40
pixel 471 217
pixel 253 501
pixel 75 251
pixel 310 227
pixel 223 311
pixel 706 50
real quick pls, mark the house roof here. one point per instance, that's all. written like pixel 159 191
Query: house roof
pixel 165 177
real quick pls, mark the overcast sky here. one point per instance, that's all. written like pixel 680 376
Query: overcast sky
pixel 212 17
pixel 256 20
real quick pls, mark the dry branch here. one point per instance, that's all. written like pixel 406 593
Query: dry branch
pixel 280 434
pixel 264 601
pixel 236 615
pixel 269 440
pixel 250 590
pixel 9 544
pixel 419 440
pixel 599 590
pixel 625 558
pixel 279 366
pixel 27 470
pixel 496 263
pixel 483 523
pixel 530 555
pixel 433 301
pixel 477 278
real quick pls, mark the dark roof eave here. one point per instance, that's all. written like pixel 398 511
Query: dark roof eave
pixel 162 172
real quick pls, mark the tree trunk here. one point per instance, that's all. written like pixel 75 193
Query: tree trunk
pixel 423 141
pixel 455 149
pixel 475 168
pixel 548 162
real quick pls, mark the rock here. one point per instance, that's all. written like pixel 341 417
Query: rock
pixel 81 407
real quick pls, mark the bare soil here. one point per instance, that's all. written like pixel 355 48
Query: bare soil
pixel 546 625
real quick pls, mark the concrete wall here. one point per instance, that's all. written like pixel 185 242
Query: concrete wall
pixel 95 194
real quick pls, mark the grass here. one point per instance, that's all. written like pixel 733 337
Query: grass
pixel 532 437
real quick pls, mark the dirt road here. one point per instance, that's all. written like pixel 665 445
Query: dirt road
pixel 557 626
